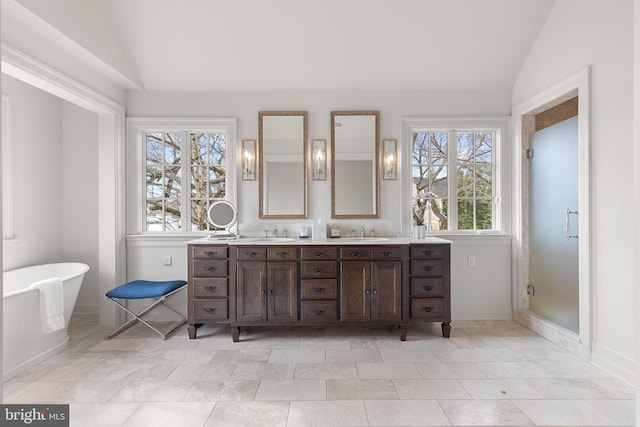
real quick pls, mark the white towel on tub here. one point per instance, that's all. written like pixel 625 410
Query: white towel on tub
pixel 51 304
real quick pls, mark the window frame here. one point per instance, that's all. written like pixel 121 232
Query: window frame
pixel 500 187
pixel 138 127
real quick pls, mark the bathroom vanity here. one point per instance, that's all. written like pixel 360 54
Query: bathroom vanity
pixel 248 282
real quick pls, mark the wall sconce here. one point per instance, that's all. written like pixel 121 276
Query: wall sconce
pixel 389 158
pixel 319 159
pixel 249 160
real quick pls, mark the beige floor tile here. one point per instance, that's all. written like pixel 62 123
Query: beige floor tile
pixel 484 413
pixel 449 370
pixel 206 391
pixel 292 390
pixel 430 389
pixel 360 389
pixel 353 355
pixel 297 356
pixel 263 371
pixel 327 413
pixel 104 414
pixel 326 371
pixel 153 414
pixel 408 355
pixel 379 370
pixel 405 413
pixel 497 389
pixel 241 356
pixel 153 391
pixel 578 412
pixel 249 414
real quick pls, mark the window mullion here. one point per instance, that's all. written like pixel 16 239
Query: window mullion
pixel 452 164
pixel 185 185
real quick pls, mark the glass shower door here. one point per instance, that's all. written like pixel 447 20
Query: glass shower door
pixel 554 216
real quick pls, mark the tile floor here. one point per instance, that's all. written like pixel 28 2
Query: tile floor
pixel 493 373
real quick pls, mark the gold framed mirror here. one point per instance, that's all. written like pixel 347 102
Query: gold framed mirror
pixel 282 158
pixel 355 141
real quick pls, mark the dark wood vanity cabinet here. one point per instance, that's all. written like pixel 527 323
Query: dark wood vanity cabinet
pixel 370 288
pixel 319 285
pixel 266 288
pixel 208 290
pixel 429 285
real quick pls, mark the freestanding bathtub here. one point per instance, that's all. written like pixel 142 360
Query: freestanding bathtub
pixel 24 344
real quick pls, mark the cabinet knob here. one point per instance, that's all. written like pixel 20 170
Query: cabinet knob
pixel 386 253
pixel 427 253
pixel 252 254
pixel 367 291
pixel 318 270
pixel 375 292
pixel 211 268
pixel 318 254
pixel 318 312
pixel 427 268
pixel 355 254
pixel 210 310
pixel 211 253
pixel 318 290
pixel 427 287
pixel 210 288
pixel 427 309
pixel 282 254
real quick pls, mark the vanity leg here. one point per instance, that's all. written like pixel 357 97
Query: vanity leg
pixel 192 332
pixel 235 334
pixel 446 329
pixel 402 330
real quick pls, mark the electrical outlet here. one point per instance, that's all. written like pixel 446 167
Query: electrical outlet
pixel 167 260
pixel 471 261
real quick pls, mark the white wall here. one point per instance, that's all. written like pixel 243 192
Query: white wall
pixel 80 200
pixel 483 292
pixel 599 33
pixel 37 176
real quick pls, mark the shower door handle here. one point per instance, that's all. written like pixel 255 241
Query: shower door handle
pixel 568 212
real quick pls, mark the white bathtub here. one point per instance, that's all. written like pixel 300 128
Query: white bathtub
pixel 24 344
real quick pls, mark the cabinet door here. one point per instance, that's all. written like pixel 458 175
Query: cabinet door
pixel 282 291
pixel 386 282
pixel 355 290
pixel 251 291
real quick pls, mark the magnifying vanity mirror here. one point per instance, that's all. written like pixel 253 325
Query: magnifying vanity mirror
pixel 222 215
pixel 355 138
pixel 282 151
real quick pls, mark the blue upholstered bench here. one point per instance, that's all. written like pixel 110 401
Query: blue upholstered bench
pixel 159 291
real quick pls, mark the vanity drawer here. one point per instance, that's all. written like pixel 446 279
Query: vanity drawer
pixel 427 309
pixel 210 310
pixel 319 269
pixel 210 288
pixel 206 268
pixel 319 311
pixel 319 253
pixel 427 252
pixel 319 289
pixel 427 267
pixel 283 254
pixel 209 251
pixel 244 253
pixel 381 252
pixel 427 286
pixel 355 253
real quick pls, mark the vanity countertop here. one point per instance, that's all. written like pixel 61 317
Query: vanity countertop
pixel 263 241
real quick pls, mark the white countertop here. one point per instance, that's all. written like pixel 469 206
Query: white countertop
pixel 262 241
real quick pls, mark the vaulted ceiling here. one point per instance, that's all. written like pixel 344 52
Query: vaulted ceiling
pixel 301 44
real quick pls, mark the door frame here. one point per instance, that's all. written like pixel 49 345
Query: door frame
pixel 578 85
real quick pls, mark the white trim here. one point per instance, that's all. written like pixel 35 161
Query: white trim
pixel 7 167
pixel 111 172
pixel 577 84
pixel 501 152
pixel 137 126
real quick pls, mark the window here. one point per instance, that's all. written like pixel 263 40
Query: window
pixel 454 185
pixel 184 171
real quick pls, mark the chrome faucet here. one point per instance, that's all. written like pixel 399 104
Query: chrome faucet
pixel 371 233
pixel 275 231
pixel 362 231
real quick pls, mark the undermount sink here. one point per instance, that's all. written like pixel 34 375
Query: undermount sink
pixel 367 239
